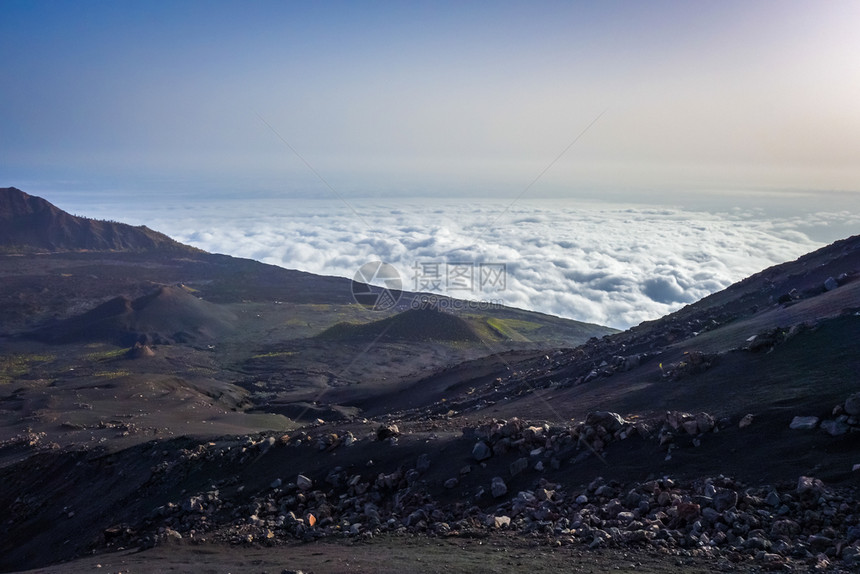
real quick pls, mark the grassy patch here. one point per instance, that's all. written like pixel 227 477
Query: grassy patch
pixel 274 354
pixel 17 365
pixel 105 355
pixel 512 329
pixel 115 374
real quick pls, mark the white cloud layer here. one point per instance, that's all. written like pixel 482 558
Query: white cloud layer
pixel 601 264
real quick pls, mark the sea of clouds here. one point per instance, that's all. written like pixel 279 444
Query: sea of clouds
pixel 600 263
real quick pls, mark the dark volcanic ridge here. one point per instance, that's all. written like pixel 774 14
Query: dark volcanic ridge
pixel 29 223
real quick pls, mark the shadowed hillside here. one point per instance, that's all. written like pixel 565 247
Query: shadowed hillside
pixel 168 314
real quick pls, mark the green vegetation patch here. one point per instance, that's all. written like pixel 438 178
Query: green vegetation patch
pixel 115 374
pixel 274 355
pixel 17 365
pixel 513 329
pixel 106 355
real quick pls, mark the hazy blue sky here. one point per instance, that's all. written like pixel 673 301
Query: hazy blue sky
pixel 428 98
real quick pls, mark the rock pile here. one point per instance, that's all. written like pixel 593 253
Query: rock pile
pixel 545 446
pixel 716 517
pixel 774 526
pixel 846 419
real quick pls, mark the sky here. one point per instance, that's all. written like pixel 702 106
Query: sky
pixel 434 97
pixel 316 135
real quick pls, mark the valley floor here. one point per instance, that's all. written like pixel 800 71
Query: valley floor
pixel 393 555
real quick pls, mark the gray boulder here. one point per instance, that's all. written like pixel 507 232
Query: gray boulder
pixel 852 404
pixel 498 487
pixel 608 420
pixel 835 428
pixel 481 451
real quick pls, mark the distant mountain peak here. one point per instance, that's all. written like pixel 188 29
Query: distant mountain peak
pixel 29 223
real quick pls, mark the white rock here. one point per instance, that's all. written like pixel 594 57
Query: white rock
pixel 803 423
pixel 501 521
pixel 303 482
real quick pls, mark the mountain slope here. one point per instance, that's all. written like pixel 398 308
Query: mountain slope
pixel 749 357
pixel 30 223
pixel 411 325
pixel 167 314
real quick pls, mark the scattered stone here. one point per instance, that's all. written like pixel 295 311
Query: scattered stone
pixel 705 422
pixel 773 499
pixel 809 486
pixel 746 421
pixel 691 427
pixel 835 428
pixel 778 527
pixel 170 533
pixel 608 420
pixel 852 405
pixel 387 431
pixel 303 482
pixel 803 423
pixel 830 284
pixel 498 488
pixel 481 451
